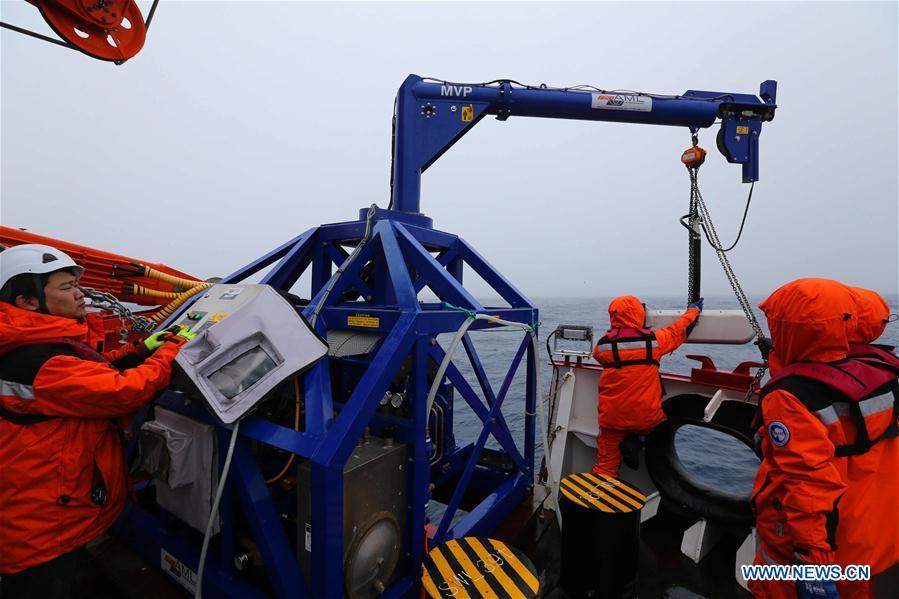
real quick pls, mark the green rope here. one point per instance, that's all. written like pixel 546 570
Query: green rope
pixel 470 313
pixel 535 324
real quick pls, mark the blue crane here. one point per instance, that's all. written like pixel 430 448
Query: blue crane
pixel 366 279
pixel 432 116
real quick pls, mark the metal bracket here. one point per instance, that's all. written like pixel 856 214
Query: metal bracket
pixel 700 539
pixel 712 407
pixel 504 111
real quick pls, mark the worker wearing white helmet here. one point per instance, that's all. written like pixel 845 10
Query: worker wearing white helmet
pixel 62 407
pixel 31 275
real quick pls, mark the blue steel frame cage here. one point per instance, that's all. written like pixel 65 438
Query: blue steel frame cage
pixel 402 255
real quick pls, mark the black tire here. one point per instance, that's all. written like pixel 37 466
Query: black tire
pixel 669 474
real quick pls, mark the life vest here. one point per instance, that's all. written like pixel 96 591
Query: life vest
pixel 883 353
pixel 624 338
pixel 82 350
pixel 79 349
pixel 861 387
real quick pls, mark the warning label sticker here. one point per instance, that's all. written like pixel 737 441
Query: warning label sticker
pixel 622 102
pixel 230 294
pixel 180 572
pixel 363 320
pixel 468 113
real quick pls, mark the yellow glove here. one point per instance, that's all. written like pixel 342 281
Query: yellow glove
pixel 175 333
pixel 186 333
pixel 155 341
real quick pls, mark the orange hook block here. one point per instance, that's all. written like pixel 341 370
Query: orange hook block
pixel 693 157
pixel 106 29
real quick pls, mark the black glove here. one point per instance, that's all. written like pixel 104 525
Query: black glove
pixel 765 346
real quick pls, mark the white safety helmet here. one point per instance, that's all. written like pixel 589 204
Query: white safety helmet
pixel 33 258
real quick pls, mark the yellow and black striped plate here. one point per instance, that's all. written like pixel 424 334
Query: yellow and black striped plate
pixel 473 568
pixel 601 492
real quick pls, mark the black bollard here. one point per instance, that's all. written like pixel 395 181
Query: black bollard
pixel 477 568
pixel 600 536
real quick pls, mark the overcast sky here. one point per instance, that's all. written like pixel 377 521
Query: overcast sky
pixel 242 124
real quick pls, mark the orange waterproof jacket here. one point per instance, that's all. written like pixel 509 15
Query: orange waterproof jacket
pixel 872 497
pixel 804 495
pixel 869 319
pixel 871 316
pixel 54 472
pixel 630 397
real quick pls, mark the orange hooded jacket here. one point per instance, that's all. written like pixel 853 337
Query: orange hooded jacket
pixel 873 494
pixel 868 321
pixel 871 316
pixel 804 496
pixel 630 398
pixel 49 469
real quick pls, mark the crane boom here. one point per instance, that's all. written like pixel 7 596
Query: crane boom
pixel 432 116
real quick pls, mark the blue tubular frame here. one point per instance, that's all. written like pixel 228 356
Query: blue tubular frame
pixel 492 416
pixel 383 281
pixel 399 252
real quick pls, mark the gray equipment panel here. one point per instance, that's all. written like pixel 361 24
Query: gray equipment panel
pixel 249 340
pixel 180 453
pixel 374 517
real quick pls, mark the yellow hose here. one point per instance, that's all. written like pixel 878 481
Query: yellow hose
pixel 167 278
pixel 296 427
pixel 139 290
pixel 182 297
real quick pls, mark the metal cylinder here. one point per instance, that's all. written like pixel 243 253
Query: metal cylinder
pixel 695 258
pixel 600 536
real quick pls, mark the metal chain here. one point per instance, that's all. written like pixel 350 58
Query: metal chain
pixel 712 236
pixel 757 379
pixel 107 301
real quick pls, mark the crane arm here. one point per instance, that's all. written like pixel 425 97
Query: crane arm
pixel 432 116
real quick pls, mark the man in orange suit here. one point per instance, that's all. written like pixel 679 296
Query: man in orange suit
pixel 630 388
